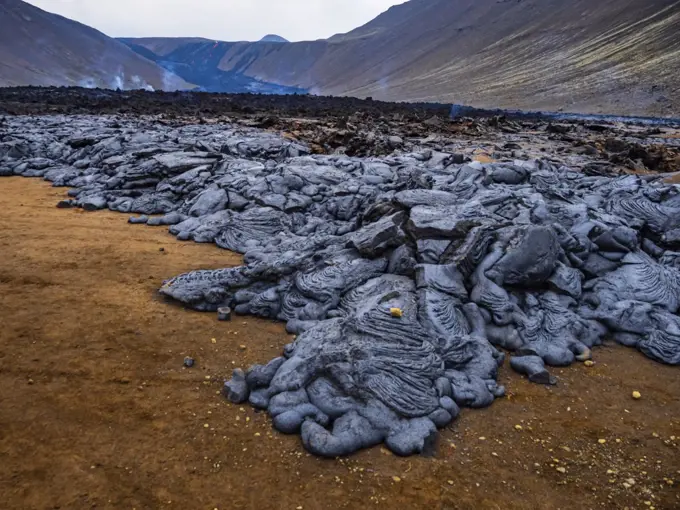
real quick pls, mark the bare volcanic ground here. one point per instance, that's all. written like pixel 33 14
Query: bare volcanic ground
pixel 96 410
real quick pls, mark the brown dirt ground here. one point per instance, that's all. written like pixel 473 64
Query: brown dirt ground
pixel 96 410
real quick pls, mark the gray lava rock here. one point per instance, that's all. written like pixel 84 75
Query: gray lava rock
pixel 395 142
pixel 530 257
pixel 224 313
pixel 372 240
pixel 208 202
pixel 236 389
pixel 66 204
pixel 401 275
pixel 93 203
pixel 534 368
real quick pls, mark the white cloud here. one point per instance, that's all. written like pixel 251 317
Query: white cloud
pixel 227 20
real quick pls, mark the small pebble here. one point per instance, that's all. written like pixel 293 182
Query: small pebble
pixel 589 363
pixel 637 395
pixel 189 362
pixel 561 469
pixel 396 479
pixel 602 441
pixel 396 312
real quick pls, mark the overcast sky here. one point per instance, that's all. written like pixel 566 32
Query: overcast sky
pixel 227 20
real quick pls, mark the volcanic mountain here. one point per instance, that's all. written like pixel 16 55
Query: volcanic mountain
pixel 40 48
pixel 197 60
pixel 598 56
pixel 274 38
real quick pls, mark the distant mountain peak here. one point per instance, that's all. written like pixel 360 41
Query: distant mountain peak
pixel 274 38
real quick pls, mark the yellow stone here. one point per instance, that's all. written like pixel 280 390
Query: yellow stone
pixel 396 312
pixel 589 363
pixel 396 479
pixel 637 395
pixel 602 441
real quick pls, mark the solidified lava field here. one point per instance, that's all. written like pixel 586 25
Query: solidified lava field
pixel 410 266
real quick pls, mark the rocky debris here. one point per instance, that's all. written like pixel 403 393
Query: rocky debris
pixel 355 127
pixel 405 277
pixel 636 156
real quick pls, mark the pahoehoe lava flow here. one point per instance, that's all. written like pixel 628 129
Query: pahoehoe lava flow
pixel 406 278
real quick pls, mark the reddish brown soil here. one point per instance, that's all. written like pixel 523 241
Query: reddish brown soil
pixel 96 410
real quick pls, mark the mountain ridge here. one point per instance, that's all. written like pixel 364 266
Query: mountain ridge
pixel 590 56
pixel 585 56
pixel 41 48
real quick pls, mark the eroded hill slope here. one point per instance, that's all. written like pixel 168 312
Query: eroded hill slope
pixel 40 48
pixel 604 56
